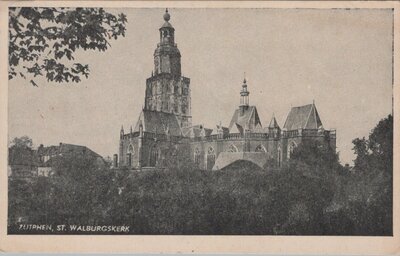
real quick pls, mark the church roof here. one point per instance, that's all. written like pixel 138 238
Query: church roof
pixel 248 120
pixel 304 117
pixel 158 122
pixel 273 123
pixel 167 25
pixel 65 149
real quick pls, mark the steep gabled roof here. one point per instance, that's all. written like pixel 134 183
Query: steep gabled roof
pixel 273 123
pixel 236 128
pixel 304 117
pixel 159 122
pixel 248 120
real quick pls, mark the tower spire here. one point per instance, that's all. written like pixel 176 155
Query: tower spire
pixel 244 98
pixel 167 16
pixel 244 94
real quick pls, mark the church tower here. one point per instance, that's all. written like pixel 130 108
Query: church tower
pixel 167 90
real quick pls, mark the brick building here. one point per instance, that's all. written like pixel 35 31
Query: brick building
pixel 165 124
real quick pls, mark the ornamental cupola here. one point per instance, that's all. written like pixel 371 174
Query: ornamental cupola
pixel 244 97
pixel 167 58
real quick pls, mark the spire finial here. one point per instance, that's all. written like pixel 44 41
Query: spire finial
pixel 166 15
pixel 244 77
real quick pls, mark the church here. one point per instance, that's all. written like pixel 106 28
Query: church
pixel 164 127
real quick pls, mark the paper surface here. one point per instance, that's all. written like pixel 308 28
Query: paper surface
pixel 348 80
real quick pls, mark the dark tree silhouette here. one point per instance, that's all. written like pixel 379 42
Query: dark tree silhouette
pixel 22 142
pixel 42 41
pixel 377 150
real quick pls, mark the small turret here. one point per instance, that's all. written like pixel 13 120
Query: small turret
pixel 273 127
pixel 140 129
pixel 244 98
pixel 140 144
pixel 167 30
pixel 121 133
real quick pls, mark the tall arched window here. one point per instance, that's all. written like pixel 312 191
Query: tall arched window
pixel 261 148
pixel 232 148
pixel 210 158
pixel 279 157
pixel 129 155
pixel 197 156
pixel 292 145
pixel 154 155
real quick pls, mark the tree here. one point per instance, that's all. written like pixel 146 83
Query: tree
pixel 84 187
pixel 371 207
pixel 306 187
pixel 22 142
pixel 317 155
pixel 42 41
pixel 376 151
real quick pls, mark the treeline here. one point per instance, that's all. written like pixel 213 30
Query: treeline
pixel 312 195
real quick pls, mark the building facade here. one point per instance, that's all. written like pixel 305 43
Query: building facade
pixel 164 128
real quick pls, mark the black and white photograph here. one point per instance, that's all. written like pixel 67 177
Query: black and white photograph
pixel 200 121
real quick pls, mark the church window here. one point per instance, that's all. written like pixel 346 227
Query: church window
pixel 130 153
pixel 210 158
pixel 197 156
pixel 279 157
pixel 232 148
pixel 131 149
pixel 261 148
pixel 129 159
pixel 154 155
pixel 290 149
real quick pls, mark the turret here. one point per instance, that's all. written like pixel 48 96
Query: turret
pixel 167 30
pixel 244 98
pixel 121 133
pixel 140 145
pixel 273 127
pixel 167 58
pixel 121 146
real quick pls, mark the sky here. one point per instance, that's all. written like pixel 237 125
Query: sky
pixel 341 59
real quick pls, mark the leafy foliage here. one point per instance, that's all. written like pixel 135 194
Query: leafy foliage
pixel 312 195
pixel 42 41
pixel 22 142
pixel 377 150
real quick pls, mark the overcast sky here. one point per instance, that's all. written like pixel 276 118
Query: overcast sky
pixel 342 59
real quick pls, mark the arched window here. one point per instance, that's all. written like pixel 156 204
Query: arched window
pixel 261 148
pixel 232 148
pixel 197 156
pixel 210 158
pixel 154 155
pixel 129 155
pixel 131 149
pixel 279 156
pixel 292 145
